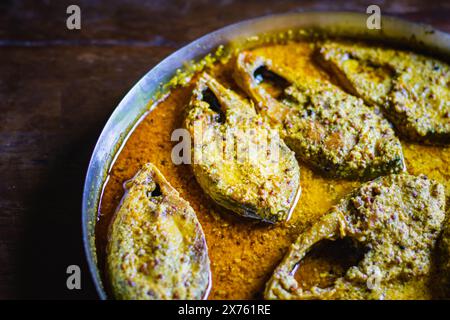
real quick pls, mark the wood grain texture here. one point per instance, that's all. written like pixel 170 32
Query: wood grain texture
pixel 58 88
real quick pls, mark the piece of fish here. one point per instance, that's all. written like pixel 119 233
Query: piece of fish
pixel 239 161
pixel 326 127
pixel 413 90
pixel 156 246
pixel 396 219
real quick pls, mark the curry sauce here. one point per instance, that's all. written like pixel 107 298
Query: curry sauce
pixel 244 252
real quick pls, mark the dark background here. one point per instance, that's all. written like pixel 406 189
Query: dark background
pixel 57 90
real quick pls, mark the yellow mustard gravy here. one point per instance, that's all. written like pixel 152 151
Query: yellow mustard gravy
pixel 243 252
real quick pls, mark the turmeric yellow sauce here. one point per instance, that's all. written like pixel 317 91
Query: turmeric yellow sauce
pixel 243 252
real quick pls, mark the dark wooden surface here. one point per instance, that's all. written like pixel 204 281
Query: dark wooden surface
pixel 58 88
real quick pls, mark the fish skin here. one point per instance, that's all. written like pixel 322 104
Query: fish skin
pixel 156 246
pixel 397 218
pixel 329 129
pixel 254 187
pixel 412 90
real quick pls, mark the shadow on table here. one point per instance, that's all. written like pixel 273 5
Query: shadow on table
pixel 53 238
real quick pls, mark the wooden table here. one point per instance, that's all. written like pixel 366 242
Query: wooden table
pixel 58 88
